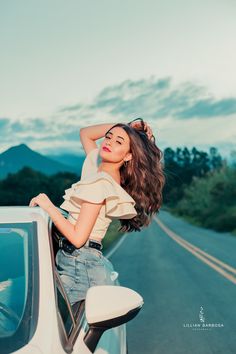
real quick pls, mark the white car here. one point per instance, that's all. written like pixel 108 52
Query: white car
pixel 35 314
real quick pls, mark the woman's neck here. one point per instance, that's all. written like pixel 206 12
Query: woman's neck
pixel 112 170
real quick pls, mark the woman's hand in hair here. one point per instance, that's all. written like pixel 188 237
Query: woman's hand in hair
pixel 139 126
pixel 41 200
pixel 148 130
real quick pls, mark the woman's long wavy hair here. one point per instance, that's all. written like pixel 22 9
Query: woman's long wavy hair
pixel 142 177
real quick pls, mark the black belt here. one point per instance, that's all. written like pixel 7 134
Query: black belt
pixel 68 247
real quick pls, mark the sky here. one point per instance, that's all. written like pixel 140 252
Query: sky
pixel 69 64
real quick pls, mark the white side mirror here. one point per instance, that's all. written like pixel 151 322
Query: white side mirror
pixel 108 306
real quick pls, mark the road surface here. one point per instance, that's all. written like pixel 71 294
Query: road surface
pixel 187 277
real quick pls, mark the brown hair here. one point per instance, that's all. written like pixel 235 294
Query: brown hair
pixel 142 177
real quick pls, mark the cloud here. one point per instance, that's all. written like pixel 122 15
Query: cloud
pixel 163 104
pixel 210 108
pixel 4 123
pixel 71 108
pixel 132 98
pixel 160 98
pixel 5 129
pixel 153 98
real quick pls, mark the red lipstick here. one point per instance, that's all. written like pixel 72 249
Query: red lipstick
pixel 106 149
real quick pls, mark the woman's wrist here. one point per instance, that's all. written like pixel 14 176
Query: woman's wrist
pixel 53 212
pixel 95 132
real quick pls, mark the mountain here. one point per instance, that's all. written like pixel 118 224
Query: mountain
pixel 16 157
pixel 69 159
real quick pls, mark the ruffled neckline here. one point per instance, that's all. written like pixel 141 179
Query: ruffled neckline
pixel 93 160
pixel 117 184
pixel 110 177
pixel 104 174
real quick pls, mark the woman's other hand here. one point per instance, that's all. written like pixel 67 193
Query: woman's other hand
pixel 148 130
pixel 41 200
pixel 140 125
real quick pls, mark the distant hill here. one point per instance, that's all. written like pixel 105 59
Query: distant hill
pixel 16 157
pixel 69 159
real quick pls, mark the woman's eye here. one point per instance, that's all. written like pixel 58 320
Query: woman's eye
pixel 108 137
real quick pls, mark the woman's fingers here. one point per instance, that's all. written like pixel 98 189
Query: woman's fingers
pixel 32 202
pixel 148 130
pixel 146 127
pixel 136 125
pixel 41 200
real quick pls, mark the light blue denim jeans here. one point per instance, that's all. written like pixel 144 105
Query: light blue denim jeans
pixel 80 270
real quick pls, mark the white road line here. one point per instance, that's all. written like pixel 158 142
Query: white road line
pixel 195 251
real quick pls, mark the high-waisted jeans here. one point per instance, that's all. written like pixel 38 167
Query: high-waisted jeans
pixel 80 270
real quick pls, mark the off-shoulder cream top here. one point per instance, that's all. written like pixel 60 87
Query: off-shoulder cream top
pixel 94 187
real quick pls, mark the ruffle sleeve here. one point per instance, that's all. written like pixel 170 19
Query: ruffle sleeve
pixel 97 188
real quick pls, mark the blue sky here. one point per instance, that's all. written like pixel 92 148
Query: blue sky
pixel 68 64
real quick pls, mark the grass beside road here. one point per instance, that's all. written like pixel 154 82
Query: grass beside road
pixel 192 220
pixel 112 235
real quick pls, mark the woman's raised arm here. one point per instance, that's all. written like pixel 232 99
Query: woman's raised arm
pixel 90 134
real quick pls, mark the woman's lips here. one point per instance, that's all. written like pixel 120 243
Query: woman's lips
pixel 106 149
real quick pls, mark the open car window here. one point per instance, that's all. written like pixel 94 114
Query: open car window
pixel 19 284
pixel 70 318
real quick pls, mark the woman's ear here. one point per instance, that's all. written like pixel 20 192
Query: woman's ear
pixel 128 157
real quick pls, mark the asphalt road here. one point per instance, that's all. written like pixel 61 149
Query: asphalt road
pixel 189 296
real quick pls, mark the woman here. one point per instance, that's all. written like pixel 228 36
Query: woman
pixel 126 185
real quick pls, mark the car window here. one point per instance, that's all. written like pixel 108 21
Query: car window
pixel 18 284
pixel 64 309
pixel 71 318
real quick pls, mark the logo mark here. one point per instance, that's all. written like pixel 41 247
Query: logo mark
pixel 201 315
pixel 203 325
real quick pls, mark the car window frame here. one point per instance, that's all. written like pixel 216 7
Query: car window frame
pixel 79 319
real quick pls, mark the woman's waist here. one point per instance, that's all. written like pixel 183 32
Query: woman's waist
pixel 90 244
pixel 98 232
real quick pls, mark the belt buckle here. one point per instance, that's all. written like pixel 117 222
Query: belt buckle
pixel 69 248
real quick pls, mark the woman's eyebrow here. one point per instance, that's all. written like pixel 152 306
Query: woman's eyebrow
pixel 118 136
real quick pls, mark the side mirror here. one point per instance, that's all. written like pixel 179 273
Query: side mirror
pixel 108 306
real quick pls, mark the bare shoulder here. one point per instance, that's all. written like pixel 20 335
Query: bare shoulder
pixel 88 144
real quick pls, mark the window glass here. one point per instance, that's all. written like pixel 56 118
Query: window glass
pixel 64 311
pixel 16 286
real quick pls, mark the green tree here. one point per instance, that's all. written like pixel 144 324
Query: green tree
pixel 19 188
pixel 182 165
pixel 211 201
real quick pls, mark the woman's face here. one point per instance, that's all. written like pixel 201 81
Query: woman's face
pixel 117 145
